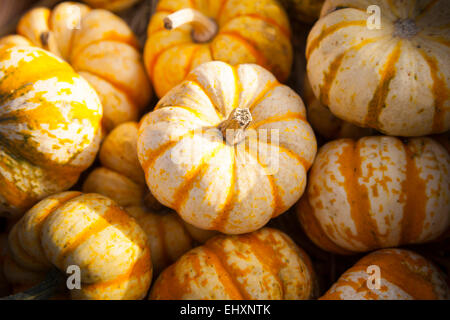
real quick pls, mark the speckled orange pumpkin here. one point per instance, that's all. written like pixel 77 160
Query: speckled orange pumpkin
pixel 100 47
pixel 394 79
pixel 377 192
pixel 86 230
pixel 263 265
pixel 227 149
pixel 121 178
pixel 112 5
pixel 404 275
pixel 49 127
pixel 325 123
pixel 233 31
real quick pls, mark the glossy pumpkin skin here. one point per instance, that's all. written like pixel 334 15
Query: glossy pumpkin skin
pixel 325 123
pixel 100 47
pixel 87 230
pixel 304 10
pixel 112 5
pixel 249 32
pixel 121 178
pixel 211 184
pixel 376 192
pixel 404 275
pixel 263 265
pixel 402 69
pixel 50 127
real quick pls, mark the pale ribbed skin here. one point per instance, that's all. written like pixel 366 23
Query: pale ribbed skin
pixel 263 265
pixel 113 5
pixel 215 186
pixel 249 32
pixel 377 192
pixel 121 178
pixel 14 40
pixel 404 275
pixel 394 81
pixel 103 50
pixel 49 128
pixel 87 230
pixel 325 123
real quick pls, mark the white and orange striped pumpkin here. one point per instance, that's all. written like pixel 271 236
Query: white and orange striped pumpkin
pixel 49 127
pixel 86 230
pixel 394 79
pixel 100 47
pixel 233 31
pixel 121 178
pixel 377 192
pixel 263 265
pixel 404 275
pixel 112 5
pixel 215 178
pixel 325 123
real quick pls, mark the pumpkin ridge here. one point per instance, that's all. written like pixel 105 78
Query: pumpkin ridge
pixel 221 9
pixel 157 55
pixel 249 44
pixel 268 20
pixel 14 244
pixel 192 79
pixel 314 43
pixel 440 40
pixel 287 116
pixel 269 87
pixel 378 101
pixel 292 154
pixel 424 11
pixel 215 250
pixel 228 205
pixel 197 114
pixel 192 176
pixel 440 93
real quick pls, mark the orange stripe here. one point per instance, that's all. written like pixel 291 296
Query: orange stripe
pixel 277 118
pixel 157 55
pixel 441 40
pixel 197 114
pixel 378 101
pixel 269 87
pixel 223 215
pixel 192 78
pixel 314 43
pixel 426 9
pixel 440 93
pixel 195 174
pixel 221 9
pixel 286 32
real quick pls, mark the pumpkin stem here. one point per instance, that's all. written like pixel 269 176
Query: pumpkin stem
pixel 233 129
pixel 204 28
pixel 44 290
pixel 48 42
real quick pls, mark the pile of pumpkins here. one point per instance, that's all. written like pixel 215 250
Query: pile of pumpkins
pixel 170 200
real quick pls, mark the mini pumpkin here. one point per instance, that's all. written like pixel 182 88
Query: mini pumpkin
pixel 395 78
pixel 112 5
pixel 100 47
pixel 227 149
pixel 183 34
pixel 49 129
pixel 325 123
pixel 121 178
pixel 263 265
pixel 86 230
pixel 404 275
pixel 304 10
pixel 377 192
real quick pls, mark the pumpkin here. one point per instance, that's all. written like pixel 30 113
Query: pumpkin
pixel 404 275
pixel 402 69
pixel 183 34
pixel 121 178
pixel 263 265
pixel 100 47
pixel 325 123
pixel 50 127
pixel 112 5
pixel 377 192
pixel 228 148
pixel 304 10
pixel 87 230
pixel 13 41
